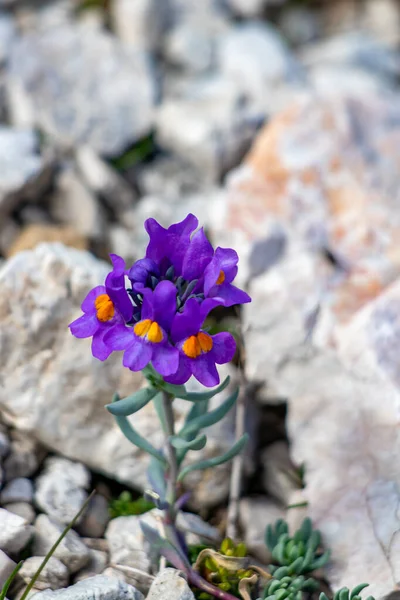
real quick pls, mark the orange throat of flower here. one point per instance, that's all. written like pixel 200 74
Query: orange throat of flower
pixel 221 278
pixel 150 330
pixel 197 344
pixel 104 308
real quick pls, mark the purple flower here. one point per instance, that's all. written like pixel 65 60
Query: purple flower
pixel 198 350
pixel 148 339
pixel 167 247
pixel 142 271
pixel 218 277
pixel 105 307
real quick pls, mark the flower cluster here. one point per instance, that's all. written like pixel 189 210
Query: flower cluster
pixel 155 311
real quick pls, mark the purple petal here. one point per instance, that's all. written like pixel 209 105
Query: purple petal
pixel 188 322
pixel 164 303
pixel 141 270
pixel 224 348
pixel 88 303
pixel 119 337
pixel 229 295
pixel 228 260
pixel 205 371
pixel 165 359
pixel 183 373
pixel 85 326
pixel 137 356
pixel 100 349
pixel 211 275
pixel 170 243
pixel 197 257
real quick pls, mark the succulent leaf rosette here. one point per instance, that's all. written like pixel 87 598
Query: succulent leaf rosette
pixel 155 310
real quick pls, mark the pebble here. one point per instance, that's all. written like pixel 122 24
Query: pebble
pixel 61 488
pixel 17 490
pixel 255 514
pixel 15 532
pixel 97 564
pixel 6 567
pixel 23 509
pixel 71 551
pixel 94 588
pixel 55 574
pixel 95 518
pixel 169 585
pixel 24 457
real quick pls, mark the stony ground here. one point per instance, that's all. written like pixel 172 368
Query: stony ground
pixel 278 125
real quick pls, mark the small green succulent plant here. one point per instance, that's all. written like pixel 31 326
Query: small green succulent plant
pixel 125 506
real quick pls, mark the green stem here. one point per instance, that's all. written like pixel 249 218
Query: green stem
pixel 167 400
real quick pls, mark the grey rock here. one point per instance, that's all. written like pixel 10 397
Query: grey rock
pixel 96 544
pixel 4 444
pixel 9 232
pixel 280 478
pixel 127 543
pixel 7 34
pixel 15 532
pixel 71 551
pixel 196 530
pixel 96 565
pixel 23 509
pixel 168 177
pixel 17 490
pixel 54 576
pixel 251 8
pixel 6 567
pixel 170 585
pixel 94 588
pixel 96 517
pixel 255 514
pixel 242 53
pixel 104 180
pixel 72 203
pixel 141 23
pixel 207 126
pixel 23 169
pixel 61 488
pixel 56 75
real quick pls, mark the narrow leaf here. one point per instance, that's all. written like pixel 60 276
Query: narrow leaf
pixel 158 405
pixel 218 460
pixel 156 477
pixel 178 391
pixel 54 547
pixel 200 396
pixel 131 404
pixel 133 436
pixel 197 444
pixel 165 548
pixel 210 418
pixel 10 579
pixel 359 588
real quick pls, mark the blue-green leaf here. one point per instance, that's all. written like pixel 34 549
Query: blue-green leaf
pixel 210 418
pixel 200 396
pixel 218 460
pixel 156 477
pixel 178 391
pixel 133 436
pixel 158 405
pixel 180 444
pixel 164 547
pixel 131 404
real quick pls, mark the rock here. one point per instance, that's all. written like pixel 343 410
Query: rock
pixel 104 180
pixel 191 42
pixel 169 177
pixel 241 58
pixel 24 457
pixel 24 173
pixel 141 23
pixel 96 565
pixel 351 63
pixel 95 518
pixel 251 8
pixel 61 489
pixel 6 568
pixel 94 588
pixel 71 551
pixel 4 444
pixel 54 575
pixel 255 514
pixel 33 235
pixel 97 544
pixel 15 532
pixel 196 530
pixel 74 205
pixel 207 126
pixel 7 34
pixel 17 490
pixel 169 585
pixel 120 78
pixel 297 510
pixel 9 232
pixel 23 509
pixel 128 546
pixel 280 478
